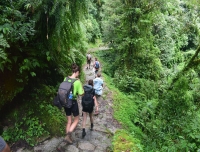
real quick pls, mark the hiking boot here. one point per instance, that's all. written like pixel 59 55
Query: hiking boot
pixel 83 134
pixel 68 139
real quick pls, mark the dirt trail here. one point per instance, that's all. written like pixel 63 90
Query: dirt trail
pixel 98 140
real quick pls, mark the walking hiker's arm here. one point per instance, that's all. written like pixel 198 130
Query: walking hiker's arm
pixel 4 146
pixel 96 103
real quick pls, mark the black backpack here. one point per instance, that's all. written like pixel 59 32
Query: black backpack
pixel 65 92
pixel 87 99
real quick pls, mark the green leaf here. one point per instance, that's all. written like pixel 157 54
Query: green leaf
pixel 48 58
pixel 33 74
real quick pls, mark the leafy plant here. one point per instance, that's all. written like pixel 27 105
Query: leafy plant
pixel 28 129
pixel 39 118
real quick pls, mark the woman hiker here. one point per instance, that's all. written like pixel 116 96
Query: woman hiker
pixel 88 102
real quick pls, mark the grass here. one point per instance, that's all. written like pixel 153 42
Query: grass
pixel 124 111
pixel 124 142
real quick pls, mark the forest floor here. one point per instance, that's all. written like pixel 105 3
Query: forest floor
pixel 98 140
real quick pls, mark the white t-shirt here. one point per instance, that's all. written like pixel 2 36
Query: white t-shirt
pixel 89 56
pixel 98 82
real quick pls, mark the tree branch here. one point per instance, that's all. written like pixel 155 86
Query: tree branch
pixel 192 62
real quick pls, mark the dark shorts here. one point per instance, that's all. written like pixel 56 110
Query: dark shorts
pixel 73 110
pixel 88 110
pixel 96 70
pixel 88 61
pixel 2 144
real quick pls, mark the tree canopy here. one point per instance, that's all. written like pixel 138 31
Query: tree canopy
pixel 155 62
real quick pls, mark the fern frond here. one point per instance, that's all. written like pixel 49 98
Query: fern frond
pixel 3 42
pixel 3 55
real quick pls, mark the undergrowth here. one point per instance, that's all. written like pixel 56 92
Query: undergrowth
pixel 125 111
pixel 124 142
pixel 153 117
pixel 36 119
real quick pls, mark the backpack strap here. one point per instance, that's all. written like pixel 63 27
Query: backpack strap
pixel 72 81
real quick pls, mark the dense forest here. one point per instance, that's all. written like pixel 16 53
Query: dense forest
pixel 152 67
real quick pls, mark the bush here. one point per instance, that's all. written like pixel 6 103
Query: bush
pixel 38 119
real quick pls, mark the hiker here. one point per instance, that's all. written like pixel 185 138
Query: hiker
pixel 77 90
pixel 89 58
pixel 96 66
pixel 98 84
pixel 88 102
pixel 4 146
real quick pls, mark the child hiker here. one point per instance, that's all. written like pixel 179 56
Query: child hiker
pixel 88 102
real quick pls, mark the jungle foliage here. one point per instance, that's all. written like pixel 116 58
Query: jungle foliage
pixel 39 40
pixel 154 62
pixel 152 66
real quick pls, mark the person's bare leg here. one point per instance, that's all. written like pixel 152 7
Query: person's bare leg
pixel 89 64
pixel 83 124
pixel 71 127
pixel 69 122
pixel 68 133
pixel 74 124
pixel 91 120
pixel 84 119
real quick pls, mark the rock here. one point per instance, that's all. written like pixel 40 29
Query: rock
pixel 86 146
pixel 23 150
pixel 48 146
pixel 72 148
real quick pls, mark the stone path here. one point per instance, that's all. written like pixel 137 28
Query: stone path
pixel 98 140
